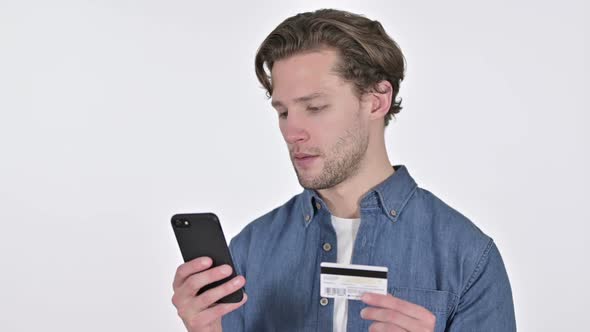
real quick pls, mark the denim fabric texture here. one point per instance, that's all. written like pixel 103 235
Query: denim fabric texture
pixel 437 258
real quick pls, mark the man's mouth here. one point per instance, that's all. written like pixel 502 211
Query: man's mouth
pixel 303 155
pixel 304 160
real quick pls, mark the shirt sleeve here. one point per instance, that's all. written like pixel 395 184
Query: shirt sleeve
pixel 234 321
pixel 486 301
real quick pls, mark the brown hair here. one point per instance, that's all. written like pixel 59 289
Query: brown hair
pixel 368 54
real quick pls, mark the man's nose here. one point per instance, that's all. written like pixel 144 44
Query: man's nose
pixel 294 130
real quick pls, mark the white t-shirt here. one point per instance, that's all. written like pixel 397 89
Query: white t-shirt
pixel 346 230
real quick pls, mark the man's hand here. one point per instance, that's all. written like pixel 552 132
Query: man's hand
pixel 393 314
pixel 200 313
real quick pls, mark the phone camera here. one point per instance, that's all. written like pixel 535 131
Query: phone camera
pixel 182 223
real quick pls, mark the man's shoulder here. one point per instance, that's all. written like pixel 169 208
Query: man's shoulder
pixel 444 221
pixel 448 232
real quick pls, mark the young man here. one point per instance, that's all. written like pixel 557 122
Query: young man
pixel 333 77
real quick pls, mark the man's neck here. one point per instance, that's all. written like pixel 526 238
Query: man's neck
pixel 343 199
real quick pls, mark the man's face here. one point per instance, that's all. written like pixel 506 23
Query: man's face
pixel 320 117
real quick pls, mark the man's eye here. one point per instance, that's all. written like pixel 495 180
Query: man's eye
pixel 282 115
pixel 315 109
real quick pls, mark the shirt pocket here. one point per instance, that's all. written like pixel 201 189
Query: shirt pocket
pixel 440 303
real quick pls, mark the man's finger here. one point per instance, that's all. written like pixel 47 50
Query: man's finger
pixel 195 282
pixel 206 299
pixel 221 309
pixel 391 302
pixel 189 268
pixel 383 327
pixel 390 316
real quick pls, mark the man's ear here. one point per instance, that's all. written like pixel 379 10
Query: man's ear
pixel 380 98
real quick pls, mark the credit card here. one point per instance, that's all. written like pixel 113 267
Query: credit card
pixel 351 281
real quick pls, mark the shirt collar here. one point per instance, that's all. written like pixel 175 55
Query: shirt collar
pixel 391 196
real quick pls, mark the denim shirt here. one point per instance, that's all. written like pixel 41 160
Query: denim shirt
pixel 437 258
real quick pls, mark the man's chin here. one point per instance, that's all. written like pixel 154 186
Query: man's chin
pixel 310 182
pixel 305 178
pixel 309 186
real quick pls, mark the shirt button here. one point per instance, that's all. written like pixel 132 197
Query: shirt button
pixel 324 301
pixel 393 213
pixel 318 205
pixel 307 217
pixel 327 246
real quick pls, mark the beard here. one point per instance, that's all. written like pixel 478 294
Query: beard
pixel 341 161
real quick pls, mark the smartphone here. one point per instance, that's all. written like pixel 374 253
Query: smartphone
pixel 200 234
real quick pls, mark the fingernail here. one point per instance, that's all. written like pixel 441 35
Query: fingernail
pixel 236 281
pixel 205 261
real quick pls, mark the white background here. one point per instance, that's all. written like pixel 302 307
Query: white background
pixel 114 115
